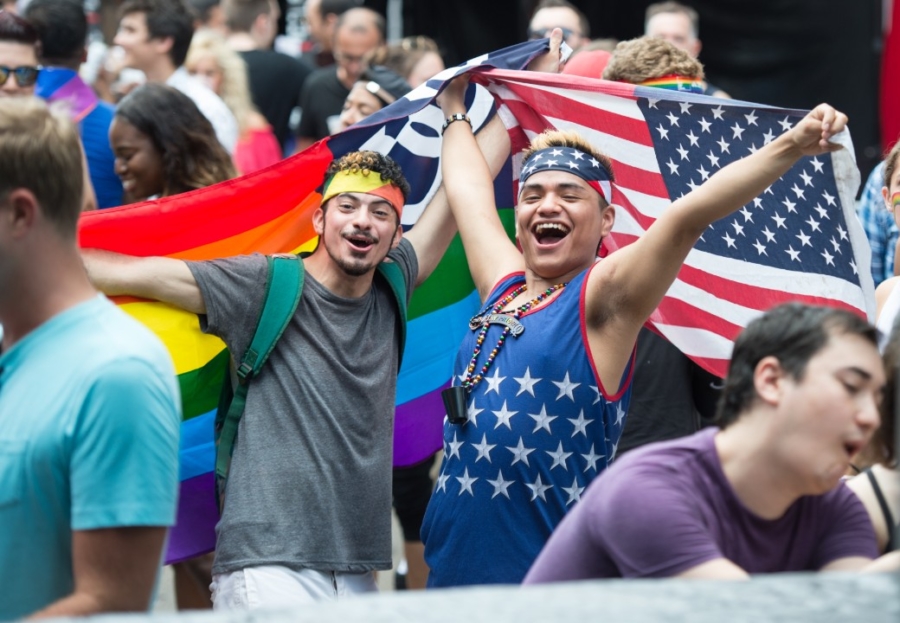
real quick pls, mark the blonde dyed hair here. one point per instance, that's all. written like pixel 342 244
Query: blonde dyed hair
pixel 235 88
pixel 40 150
pixel 638 60
pixel 566 138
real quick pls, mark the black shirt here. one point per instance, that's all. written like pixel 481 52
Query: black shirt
pixel 276 81
pixel 322 97
pixel 671 396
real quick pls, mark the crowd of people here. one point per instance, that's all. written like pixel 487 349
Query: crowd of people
pixel 720 478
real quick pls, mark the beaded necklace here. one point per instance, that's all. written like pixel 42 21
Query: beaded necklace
pixel 512 325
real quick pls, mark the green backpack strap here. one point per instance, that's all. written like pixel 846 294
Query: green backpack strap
pixel 283 288
pixel 395 279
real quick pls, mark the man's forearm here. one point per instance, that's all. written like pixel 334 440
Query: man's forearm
pixel 83 604
pixel 888 562
pixel 738 183
pixel 159 278
pixel 114 570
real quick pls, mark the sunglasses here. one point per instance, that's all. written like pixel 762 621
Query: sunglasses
pixel 26 75
pixel 543 33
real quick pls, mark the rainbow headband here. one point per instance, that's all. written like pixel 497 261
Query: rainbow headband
pixel 572 161
pixel 364 181
pixel 674 82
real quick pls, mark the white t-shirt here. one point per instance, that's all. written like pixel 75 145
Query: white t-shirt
pixel 210 104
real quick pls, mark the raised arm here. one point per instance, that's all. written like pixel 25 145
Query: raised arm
pixel 436 227
pixel 159 278
pixel 636 278
pixel 470 192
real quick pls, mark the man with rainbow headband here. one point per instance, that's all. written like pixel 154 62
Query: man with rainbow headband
pixel 651 62
pixel 546 369
pixel 309 490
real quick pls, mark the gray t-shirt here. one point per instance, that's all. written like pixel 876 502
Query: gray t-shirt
pixel 310 478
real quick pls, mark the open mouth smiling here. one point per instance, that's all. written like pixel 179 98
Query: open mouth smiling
pixel 360 242
pixel 550 233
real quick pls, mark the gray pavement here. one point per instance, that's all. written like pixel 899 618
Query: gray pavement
pixel 819 598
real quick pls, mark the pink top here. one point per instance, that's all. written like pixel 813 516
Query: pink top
pixel 256 149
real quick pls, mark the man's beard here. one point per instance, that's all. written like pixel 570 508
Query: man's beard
pixel 351 268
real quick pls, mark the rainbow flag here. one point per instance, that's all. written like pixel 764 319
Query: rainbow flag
pixel 269 211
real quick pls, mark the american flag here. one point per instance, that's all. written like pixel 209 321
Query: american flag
pixel 798 241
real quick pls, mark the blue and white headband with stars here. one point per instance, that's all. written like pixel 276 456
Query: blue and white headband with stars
pixel 572 161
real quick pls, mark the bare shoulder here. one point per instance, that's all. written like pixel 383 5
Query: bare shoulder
pixel 889 481
pixel 883 293
pixel 611 329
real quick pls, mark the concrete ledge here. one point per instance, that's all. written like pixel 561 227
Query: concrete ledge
pixel 786 597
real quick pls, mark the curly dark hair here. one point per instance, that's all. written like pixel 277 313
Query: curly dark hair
pixel 366 161
pixel 192 155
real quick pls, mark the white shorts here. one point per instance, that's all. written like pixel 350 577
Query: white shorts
pixel 272 586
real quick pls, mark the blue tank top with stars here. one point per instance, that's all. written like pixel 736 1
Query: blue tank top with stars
pixel 540 428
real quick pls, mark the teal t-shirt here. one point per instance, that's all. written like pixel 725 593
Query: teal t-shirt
pixel 89 422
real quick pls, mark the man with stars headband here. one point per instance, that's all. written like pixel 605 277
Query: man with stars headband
pixel 542 381
pixel 654 63
pixel 570 160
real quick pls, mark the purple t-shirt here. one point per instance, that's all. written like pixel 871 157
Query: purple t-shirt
pixel 668 507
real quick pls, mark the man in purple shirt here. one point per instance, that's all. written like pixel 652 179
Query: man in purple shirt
pixel 760 495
